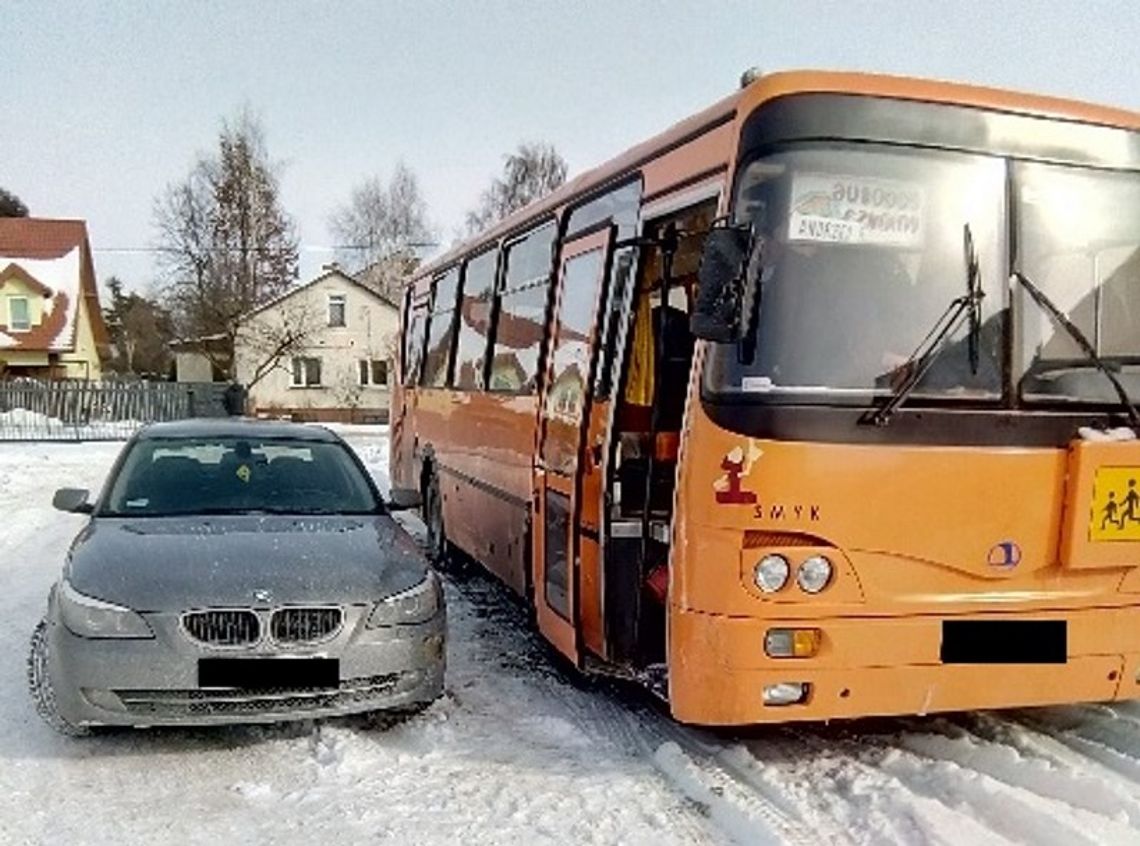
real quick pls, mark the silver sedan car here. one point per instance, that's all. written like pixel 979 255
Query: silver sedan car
pixel 236 571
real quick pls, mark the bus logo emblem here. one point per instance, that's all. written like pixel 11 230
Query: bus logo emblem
pixel 1006 555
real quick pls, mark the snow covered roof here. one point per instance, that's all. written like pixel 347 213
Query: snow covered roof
pixel 52 257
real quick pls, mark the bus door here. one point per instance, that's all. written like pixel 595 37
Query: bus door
pixel 401 418
pixel 559 463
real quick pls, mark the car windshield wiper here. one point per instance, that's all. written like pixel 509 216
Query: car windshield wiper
pixel 968 306
pixel 1086 347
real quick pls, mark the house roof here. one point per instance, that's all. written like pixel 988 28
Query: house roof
pixel 40 238
pixel 52 257
pixel 332 271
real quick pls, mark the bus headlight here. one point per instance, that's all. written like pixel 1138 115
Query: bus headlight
pixel 814 574
pixel 772 573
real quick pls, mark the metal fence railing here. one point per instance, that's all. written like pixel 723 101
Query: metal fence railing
pixel 32 410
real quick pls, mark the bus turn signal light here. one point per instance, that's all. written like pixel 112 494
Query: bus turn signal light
pixel 792 643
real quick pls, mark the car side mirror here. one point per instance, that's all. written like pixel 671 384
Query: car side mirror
pixel 72 500
pixel 721 278
pixel 403 499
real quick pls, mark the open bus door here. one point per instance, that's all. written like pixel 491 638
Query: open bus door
pixel 559 462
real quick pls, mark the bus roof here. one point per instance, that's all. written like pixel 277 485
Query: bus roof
pixel 779 84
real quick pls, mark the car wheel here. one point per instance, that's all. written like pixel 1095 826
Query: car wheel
pixel 39 683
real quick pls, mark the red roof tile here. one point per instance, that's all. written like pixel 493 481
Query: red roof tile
pixel 39 238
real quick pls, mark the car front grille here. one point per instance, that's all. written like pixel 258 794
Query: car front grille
pixel 304 625
pixel 224 627
pixel 188 704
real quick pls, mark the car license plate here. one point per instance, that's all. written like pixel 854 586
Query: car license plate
pixel 291 673
pixel 1004 642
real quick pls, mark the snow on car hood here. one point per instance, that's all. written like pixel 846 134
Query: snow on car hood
pixel 175 563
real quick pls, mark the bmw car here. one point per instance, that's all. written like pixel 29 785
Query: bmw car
pixel 236 571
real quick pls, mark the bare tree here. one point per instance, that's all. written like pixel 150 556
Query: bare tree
pixel 380 227
pixel 529 173
pixel 11 205
pixel 270 339
pixel 226 245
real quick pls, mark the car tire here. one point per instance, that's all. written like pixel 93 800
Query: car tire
pixel 39 684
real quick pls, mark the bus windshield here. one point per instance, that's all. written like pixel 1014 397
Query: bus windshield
pixel 863 252
pixel 1079 241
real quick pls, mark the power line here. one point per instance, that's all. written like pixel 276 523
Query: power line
pixel 304 248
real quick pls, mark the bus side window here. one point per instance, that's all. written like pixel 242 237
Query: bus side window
pixel 611 332
pixel 475 321
pixel 441 329
pixel 414 344
pixel 521 323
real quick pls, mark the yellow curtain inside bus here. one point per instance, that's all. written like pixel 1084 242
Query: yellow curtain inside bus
pixel 639 387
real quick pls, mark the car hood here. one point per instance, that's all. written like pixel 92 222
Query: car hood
pixel 175 563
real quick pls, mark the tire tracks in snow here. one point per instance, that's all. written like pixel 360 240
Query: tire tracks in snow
pixel 610 712
pixel 1064 775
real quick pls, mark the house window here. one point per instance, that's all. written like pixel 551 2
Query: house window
pixel 19 318
pixel 306 372
pixel 336 310
pixel 374 372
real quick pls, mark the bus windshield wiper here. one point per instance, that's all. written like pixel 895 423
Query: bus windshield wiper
pixel 1086 347
pixel 968 306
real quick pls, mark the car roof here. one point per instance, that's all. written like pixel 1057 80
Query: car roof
pixel 236 427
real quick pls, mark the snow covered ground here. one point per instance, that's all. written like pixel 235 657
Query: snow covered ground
pixel 519 752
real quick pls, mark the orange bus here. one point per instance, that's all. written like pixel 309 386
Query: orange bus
pixel 820 404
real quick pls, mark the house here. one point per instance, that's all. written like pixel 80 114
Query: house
pixel 200 359
pixel 51 325
pixel 323 351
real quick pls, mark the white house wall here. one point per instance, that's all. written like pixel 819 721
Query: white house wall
pixel 371 332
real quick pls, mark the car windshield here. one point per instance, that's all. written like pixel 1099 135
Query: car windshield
pixel 238 475
pixel 1079 241
pixel 863 251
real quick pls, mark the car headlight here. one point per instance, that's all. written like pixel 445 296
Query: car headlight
pixel 814 574
pixel 90 617
pixel 771 573
pixel 415 605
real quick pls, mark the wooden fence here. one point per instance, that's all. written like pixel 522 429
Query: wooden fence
pixel 31 410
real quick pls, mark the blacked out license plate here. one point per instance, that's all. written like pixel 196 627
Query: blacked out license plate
pixel 1004 642
pixel 264 673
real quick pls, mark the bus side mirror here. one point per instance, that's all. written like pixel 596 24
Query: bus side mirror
pixel 721 282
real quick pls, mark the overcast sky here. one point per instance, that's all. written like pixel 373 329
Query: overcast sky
pixel 103 104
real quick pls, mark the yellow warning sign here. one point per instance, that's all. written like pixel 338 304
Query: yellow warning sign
pixel 1115 505
pixel 243 473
